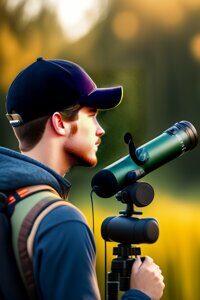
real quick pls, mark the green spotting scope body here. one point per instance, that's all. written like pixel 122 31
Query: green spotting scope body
pixel 172 143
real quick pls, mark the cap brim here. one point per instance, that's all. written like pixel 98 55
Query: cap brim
pixel 103 98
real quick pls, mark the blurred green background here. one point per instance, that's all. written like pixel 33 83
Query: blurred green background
pixel 152 48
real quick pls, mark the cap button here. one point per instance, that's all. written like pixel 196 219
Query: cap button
pixel 39 58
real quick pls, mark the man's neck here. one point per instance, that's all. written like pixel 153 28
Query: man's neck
pixel 50 156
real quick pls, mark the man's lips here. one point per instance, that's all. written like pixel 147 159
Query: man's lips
pixel 98 142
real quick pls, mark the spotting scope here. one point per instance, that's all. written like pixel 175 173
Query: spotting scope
pixel 172 143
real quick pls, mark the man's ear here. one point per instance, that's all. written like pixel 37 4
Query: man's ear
pixel 58 125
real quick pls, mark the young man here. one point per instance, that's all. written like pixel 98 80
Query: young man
pixel 52 106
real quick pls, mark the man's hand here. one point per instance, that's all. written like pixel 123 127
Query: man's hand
pixel 147 278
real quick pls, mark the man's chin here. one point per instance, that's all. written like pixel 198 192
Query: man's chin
pixel 86 161
pixel 89 163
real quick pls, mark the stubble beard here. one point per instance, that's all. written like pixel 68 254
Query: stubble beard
pixel 78 158
pixel 83 161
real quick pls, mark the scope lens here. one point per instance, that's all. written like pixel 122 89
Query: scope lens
pixel 191 132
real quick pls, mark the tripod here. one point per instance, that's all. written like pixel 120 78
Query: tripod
pixel 128 230
pixel 119 277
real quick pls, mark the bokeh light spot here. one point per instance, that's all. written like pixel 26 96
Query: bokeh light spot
pixel 168 14
pixel 195 46
pixel 125 25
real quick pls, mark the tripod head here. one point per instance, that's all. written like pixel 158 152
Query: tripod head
pixel 126 229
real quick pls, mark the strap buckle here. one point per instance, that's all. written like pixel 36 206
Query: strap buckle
pixel 14 119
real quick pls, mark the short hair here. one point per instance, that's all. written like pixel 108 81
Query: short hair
pixel 31 133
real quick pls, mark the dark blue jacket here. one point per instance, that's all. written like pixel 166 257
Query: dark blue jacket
pixel 64 247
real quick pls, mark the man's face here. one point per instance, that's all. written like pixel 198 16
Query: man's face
pixel 84 139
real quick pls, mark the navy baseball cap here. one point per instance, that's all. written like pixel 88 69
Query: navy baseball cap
pixel 47 86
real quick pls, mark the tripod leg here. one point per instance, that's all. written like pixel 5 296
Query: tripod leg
pixel 112 286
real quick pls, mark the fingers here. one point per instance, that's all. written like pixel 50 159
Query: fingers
pixel 155 268
pixel 136 264
pixel 147 264
pixel 147 277
pixel 148 261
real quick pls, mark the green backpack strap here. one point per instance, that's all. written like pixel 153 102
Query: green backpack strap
pixel 25 221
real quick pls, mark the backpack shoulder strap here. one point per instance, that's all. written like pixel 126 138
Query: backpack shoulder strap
pixel 25 221
pixel 38 220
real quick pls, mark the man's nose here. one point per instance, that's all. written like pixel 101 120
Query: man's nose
pixel 100 131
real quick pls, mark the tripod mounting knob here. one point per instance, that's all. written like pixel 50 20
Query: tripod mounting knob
pixel 126 250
